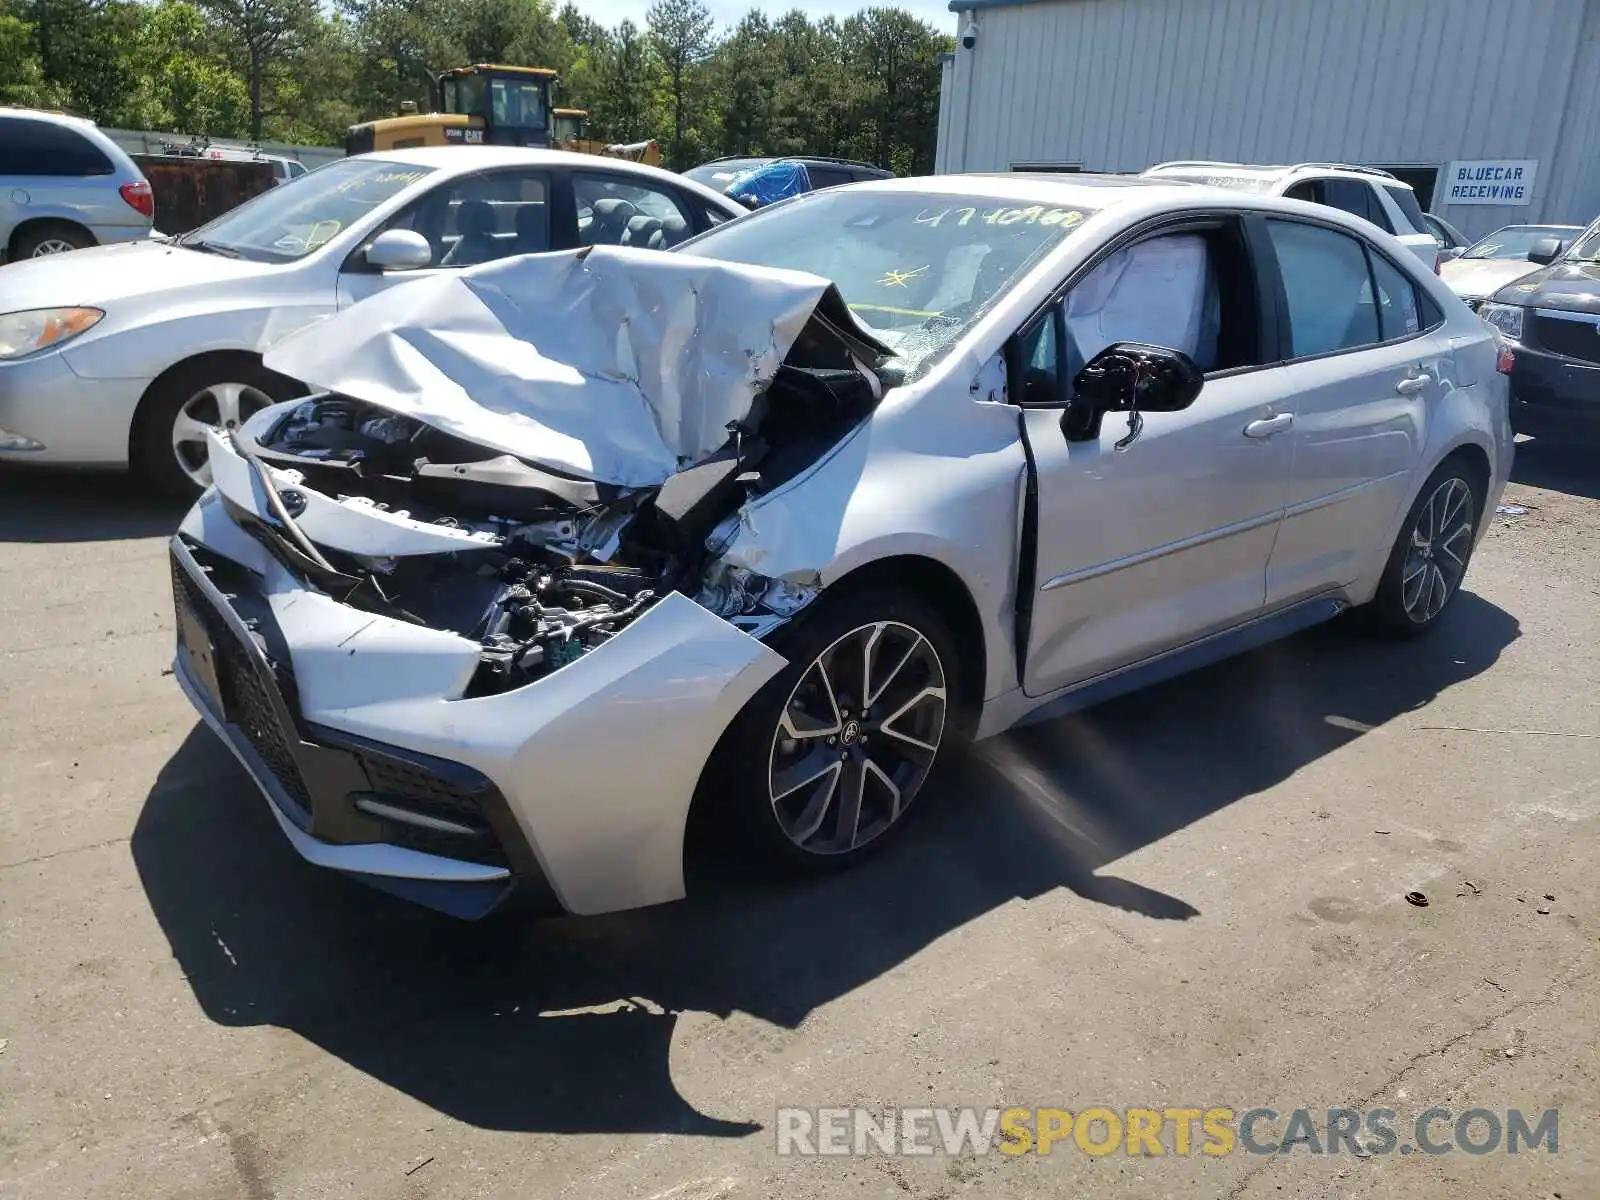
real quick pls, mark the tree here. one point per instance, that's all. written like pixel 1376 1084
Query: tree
pixel 82 48
pixel 268 34
pixel 680 32
pixel 747 73
pixel 22 80
pixel 625 86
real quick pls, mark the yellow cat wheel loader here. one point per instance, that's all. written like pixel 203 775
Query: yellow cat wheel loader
pixel 494 105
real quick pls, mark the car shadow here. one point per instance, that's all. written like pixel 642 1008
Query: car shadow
pixel 1557 467
pixel 566 1025
pixel 40 505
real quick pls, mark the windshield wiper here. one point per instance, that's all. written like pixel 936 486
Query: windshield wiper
pixel 210 248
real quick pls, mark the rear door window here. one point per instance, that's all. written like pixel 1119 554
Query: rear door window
pixel 42 148
pixel 1327 288
pixel 617 210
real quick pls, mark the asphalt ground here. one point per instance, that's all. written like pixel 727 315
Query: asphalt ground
pixel 1190 897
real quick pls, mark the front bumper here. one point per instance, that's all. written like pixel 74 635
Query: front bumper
pixel 571 793
pixel 1555 396
pixel 69 420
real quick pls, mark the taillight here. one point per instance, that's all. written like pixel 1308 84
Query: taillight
pixel 139 198
pixel 1505 359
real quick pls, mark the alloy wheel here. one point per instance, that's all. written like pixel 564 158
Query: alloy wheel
pixel 219 406
pixel 52 246
pixel 857 738
pixel 1436 558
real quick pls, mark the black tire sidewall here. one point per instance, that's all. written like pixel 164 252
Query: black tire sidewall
pixel 151 440
pixel 736 784
pixel 1388 609
pixel 80 238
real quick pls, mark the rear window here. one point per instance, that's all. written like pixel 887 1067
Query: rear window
pixel 1407 200
pixel 1355 196
pixel 823 177
pixel 718 175
pixel 43 148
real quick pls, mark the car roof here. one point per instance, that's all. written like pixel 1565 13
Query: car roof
pixel 1040 187
pixel 46 114
pixel 1563 228
pixel 1266 171
pixel 461 160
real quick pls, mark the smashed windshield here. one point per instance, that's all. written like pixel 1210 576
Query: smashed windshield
pixel 291 221
pixel 1514 241
pixel 918 270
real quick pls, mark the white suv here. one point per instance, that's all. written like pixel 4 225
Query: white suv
pixel 1368 192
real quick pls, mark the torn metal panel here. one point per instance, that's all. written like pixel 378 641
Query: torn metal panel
pixel 610 364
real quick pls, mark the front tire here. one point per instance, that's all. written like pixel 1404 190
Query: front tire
pixel 1431 553
pixel 168 440
pixel 821 768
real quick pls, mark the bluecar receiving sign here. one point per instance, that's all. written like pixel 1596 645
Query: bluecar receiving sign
pixel 1491 181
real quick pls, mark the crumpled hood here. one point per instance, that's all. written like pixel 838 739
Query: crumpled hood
pixel 103 275
pixel 1477 278
pixel 1566 284
pixel 612 364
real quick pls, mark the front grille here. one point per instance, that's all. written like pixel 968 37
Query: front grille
pixel 1573 339
pixel 248 691
pixel 413 786
pixel 422 789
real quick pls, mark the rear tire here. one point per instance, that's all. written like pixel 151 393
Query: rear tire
pixel 50 237
pixel 810 777
pixel 167 443
pixel 1430 554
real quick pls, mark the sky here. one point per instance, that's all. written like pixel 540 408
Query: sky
pixel 727 12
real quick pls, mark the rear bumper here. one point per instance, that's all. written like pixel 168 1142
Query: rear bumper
pixel 1555 396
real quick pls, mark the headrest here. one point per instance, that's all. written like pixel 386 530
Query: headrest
pixel 475 218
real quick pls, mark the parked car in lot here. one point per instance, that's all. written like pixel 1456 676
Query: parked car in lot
pixel 1551 321
pixel 1366 192
pixel 1502 257
pixel 127 354
pixel 565 545
pixel 65 185
pixel 1450 240
pixel 756 180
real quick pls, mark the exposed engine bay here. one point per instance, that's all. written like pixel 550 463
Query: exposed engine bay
pixel 555 565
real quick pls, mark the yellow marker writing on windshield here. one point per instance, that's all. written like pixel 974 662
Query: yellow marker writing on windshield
pixel 900 278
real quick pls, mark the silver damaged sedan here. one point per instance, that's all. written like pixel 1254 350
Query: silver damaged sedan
pixel 564 545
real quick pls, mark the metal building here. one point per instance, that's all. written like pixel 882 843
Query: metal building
pixel 1469 101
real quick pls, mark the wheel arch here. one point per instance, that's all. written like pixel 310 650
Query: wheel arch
pixel 23 228
pixel 939 584
pixel 208 358
pixel 1475 459
pixel 927 578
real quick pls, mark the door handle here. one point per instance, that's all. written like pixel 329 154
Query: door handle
pixel 1411 385
pixel 1268 426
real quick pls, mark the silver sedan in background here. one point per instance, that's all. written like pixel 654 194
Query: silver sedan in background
pixel 125 355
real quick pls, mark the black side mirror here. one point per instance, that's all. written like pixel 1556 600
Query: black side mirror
pixel 1130 377
pixel 1545 251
